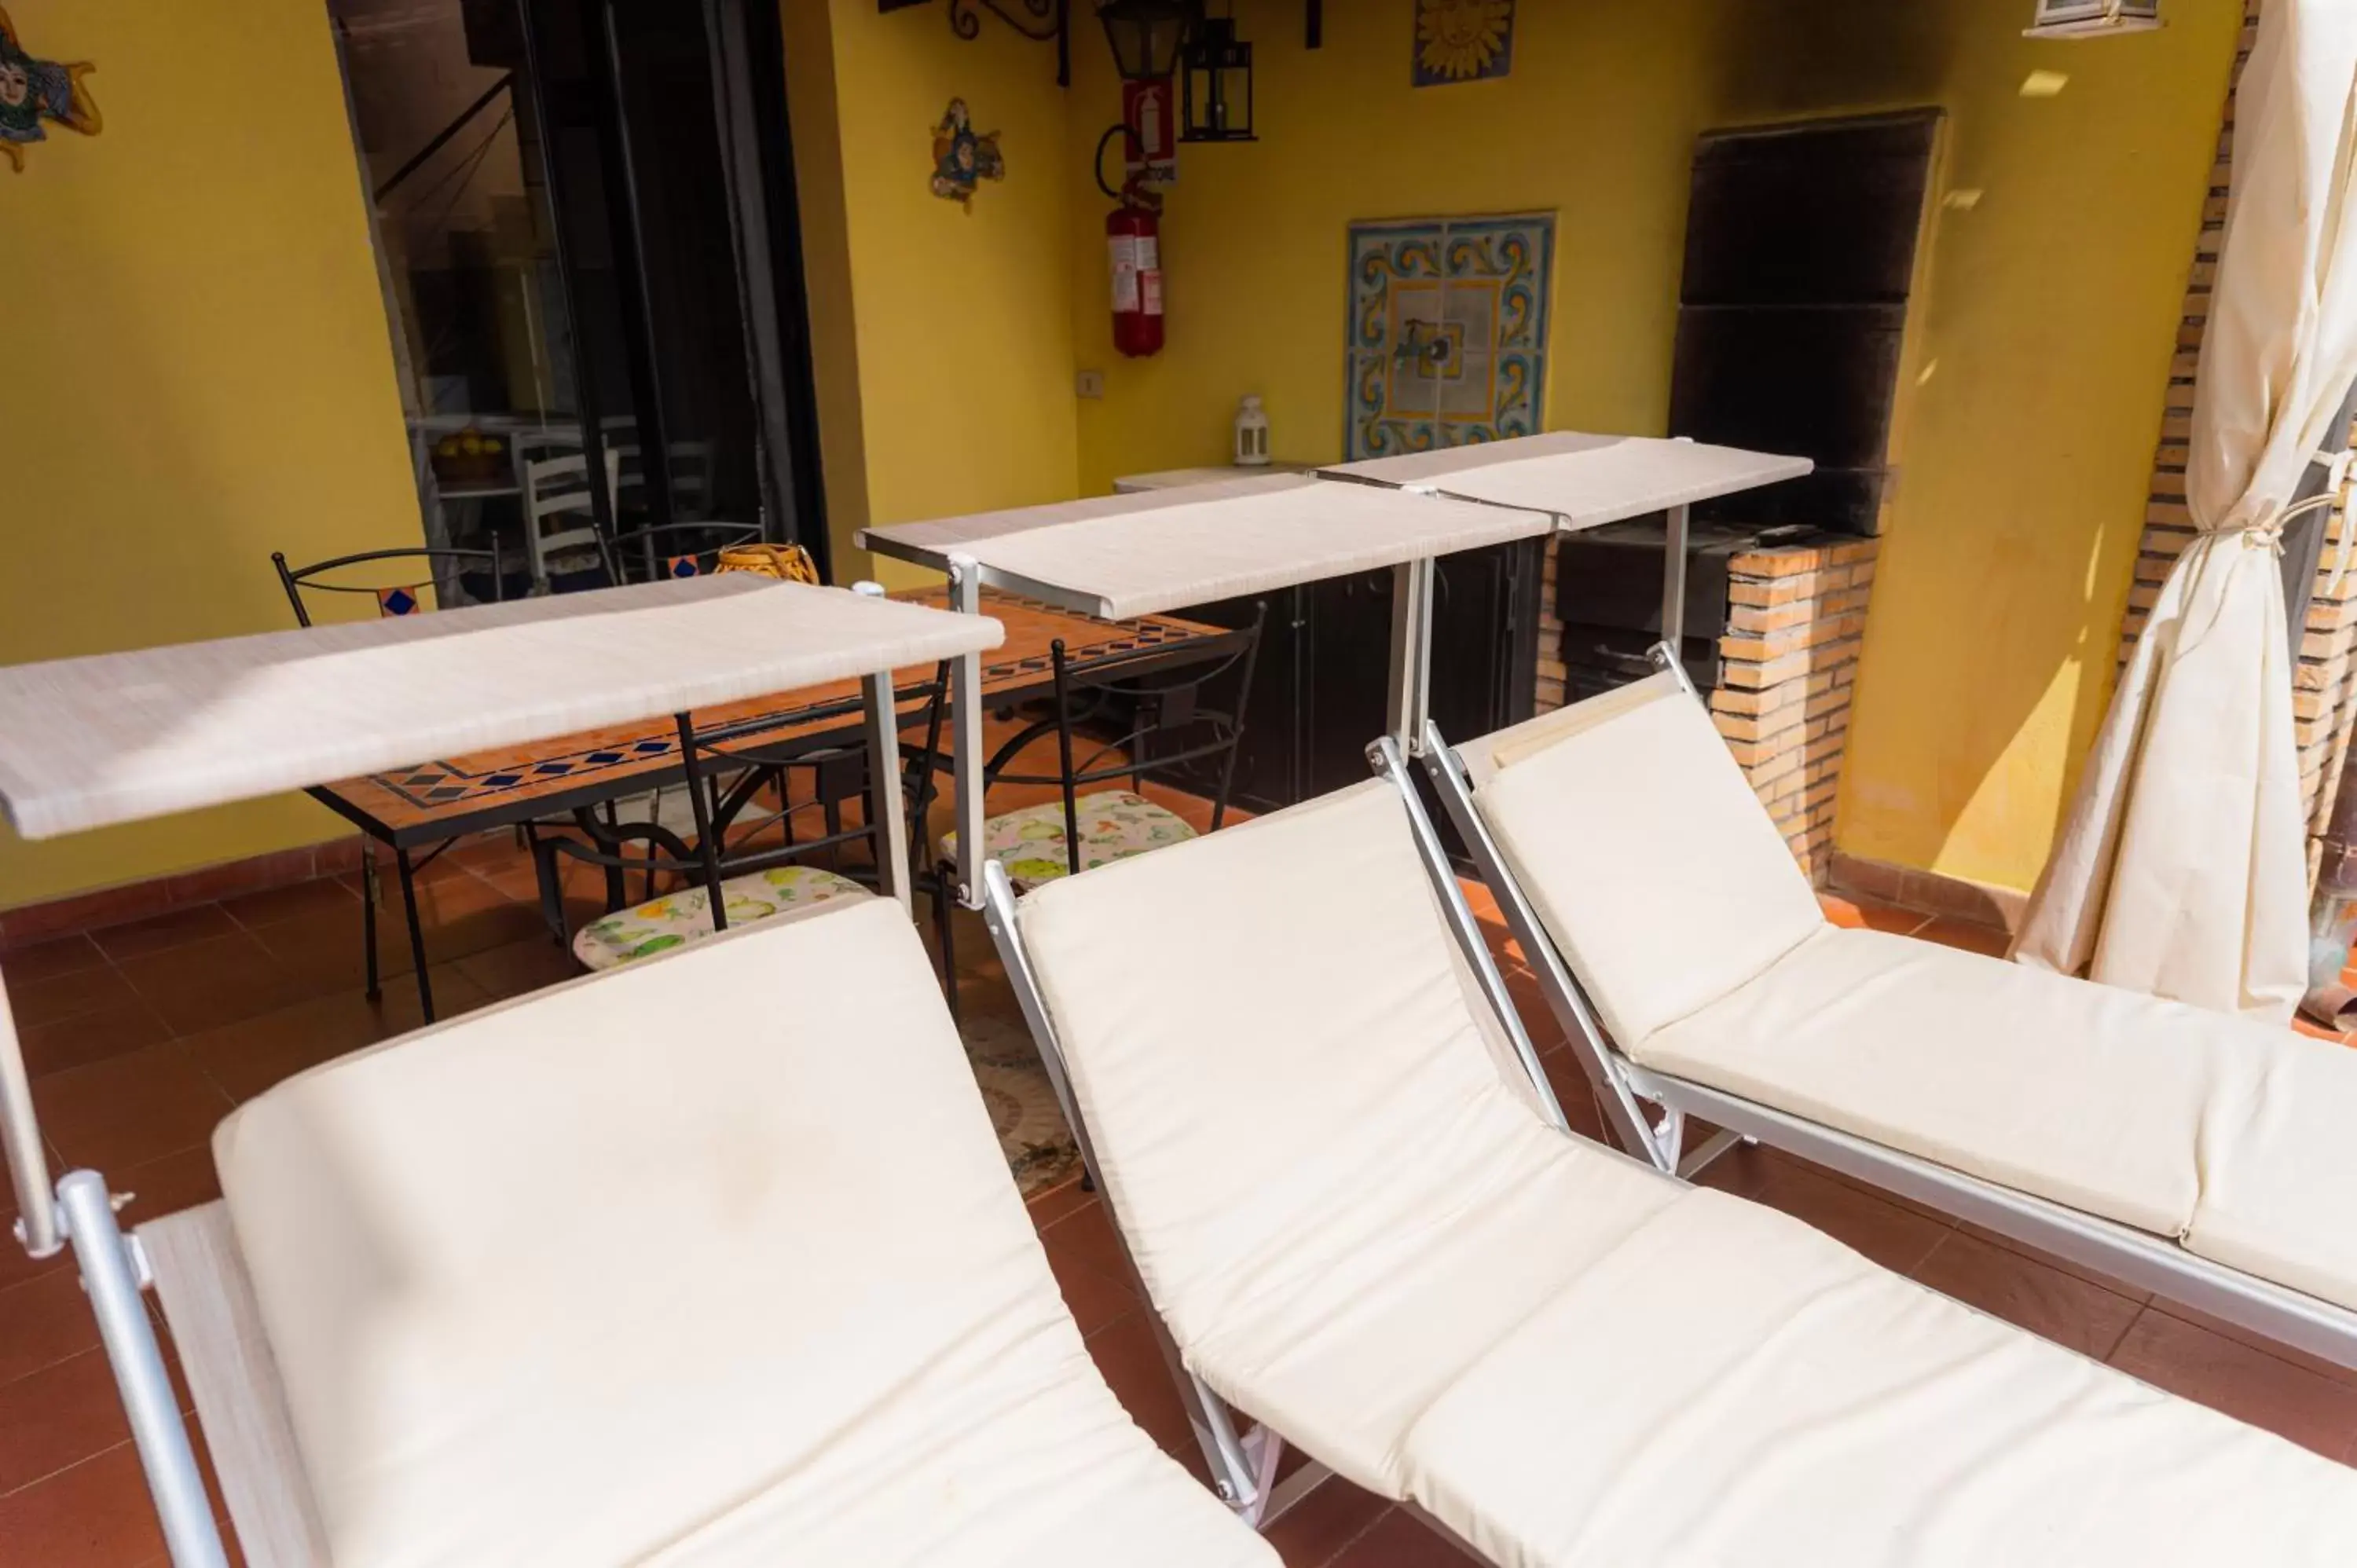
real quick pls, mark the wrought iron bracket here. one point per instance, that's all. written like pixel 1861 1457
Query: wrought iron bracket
pixel 1041 21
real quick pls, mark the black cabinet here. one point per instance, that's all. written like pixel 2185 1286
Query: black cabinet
pixel 1319 690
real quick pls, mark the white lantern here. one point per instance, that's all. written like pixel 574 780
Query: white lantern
pixel 2093 19
pixel 1252 434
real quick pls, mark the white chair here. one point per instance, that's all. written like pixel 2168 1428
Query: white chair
pixel 558 513
pixel 2201 1156
pixel 1357 1213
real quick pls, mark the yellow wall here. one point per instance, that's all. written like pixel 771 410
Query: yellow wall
pixel 958 359
pixel 2050 314
pixel 200 370
pixel 2048 326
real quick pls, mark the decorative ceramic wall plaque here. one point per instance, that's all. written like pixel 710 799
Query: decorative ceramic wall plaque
pixel 1448 332
pixel 32 90
pixel 962 158
pixel 1462 40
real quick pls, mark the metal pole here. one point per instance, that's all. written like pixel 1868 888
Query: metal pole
pixel 602 500
pixel 111 1281
pixel 20 1133
pixel 1391 765
pixel 965 736
pixel 890 828
pixel 1673 581
pixel 1411 667
pixel 628 221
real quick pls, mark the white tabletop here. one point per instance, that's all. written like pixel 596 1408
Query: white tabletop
pixel 120 737
pixel 1584 481
pixel 1126 555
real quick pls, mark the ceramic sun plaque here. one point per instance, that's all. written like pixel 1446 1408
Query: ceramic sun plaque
pixel 1447 331
pixel 1462 40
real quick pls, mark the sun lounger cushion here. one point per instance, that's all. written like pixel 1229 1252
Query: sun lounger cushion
pixel 2086 1094
pixel 711 1260
pixel 1356 1236
pixel 1729 1386
pixel 1670 894
pixel 1382 1205
pixel 2279 1187
pixel 1667 887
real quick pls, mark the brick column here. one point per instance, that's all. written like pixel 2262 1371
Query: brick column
pixel 1795 620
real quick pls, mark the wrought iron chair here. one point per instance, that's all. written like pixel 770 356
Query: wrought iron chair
pixel 677 549
pixel 475 574
pixel 1151 724
pixel 728 876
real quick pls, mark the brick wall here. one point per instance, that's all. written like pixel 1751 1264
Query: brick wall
pixel 2324 694
pixel 1796 619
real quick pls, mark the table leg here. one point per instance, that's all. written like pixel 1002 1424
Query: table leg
pixel 417 933
pixel 368 916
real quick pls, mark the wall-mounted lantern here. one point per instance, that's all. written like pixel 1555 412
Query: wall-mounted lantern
pixel 1216 96
pixel 1146 36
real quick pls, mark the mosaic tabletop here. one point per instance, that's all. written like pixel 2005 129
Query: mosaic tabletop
pixel 445 795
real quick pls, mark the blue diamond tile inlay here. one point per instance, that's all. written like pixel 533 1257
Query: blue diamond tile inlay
pixel 652 747
pixel 554 768
pixel 503 778
pixel 605 757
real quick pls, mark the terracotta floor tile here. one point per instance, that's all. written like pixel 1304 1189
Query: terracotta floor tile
pixel 222 979
pixel 2044 1300
pixel 1949 931
pixel 16 1266
pixel 130 1110
pixel 2115 1286
pixel 515 968
pixel 1895 1236
pixel 110 1030
pixel 48 960
pixel 71 995
pixel 173 928
pixel 321 898
pixel 1088 1234
pixel 1126 1354
pixel 2332 1371
pixel 247 1058
pixel 1860 913
pixel 2289 1401
pixel 95 1515
pixel 1056 1202
pixel 1399 1540
pixel 42 1322
pixel 1095 1300
pixel 167 1186
pixel 56 1417
pixel 1322 1524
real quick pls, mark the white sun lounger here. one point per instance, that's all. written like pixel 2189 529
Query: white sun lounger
pixel 712 1259
pixel 1348 1207
pixel 2201 1156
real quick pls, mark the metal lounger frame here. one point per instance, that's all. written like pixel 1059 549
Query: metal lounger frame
pixel 1624 1091
pixel 1244 1461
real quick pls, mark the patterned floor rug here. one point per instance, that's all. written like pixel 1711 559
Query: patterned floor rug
pixel 1039 1148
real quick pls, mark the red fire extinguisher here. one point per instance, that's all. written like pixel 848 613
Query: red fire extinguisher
pixel 1133 238
pixel 1133 234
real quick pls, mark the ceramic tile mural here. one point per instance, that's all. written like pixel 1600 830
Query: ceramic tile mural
pixel 1447 331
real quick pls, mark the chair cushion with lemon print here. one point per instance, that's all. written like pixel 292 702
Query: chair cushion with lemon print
pixel 679 918
pixel 1113 825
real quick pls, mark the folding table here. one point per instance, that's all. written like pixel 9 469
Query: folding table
pixel 87 743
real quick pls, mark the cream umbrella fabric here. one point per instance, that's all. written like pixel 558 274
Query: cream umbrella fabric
pixel 2181 868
